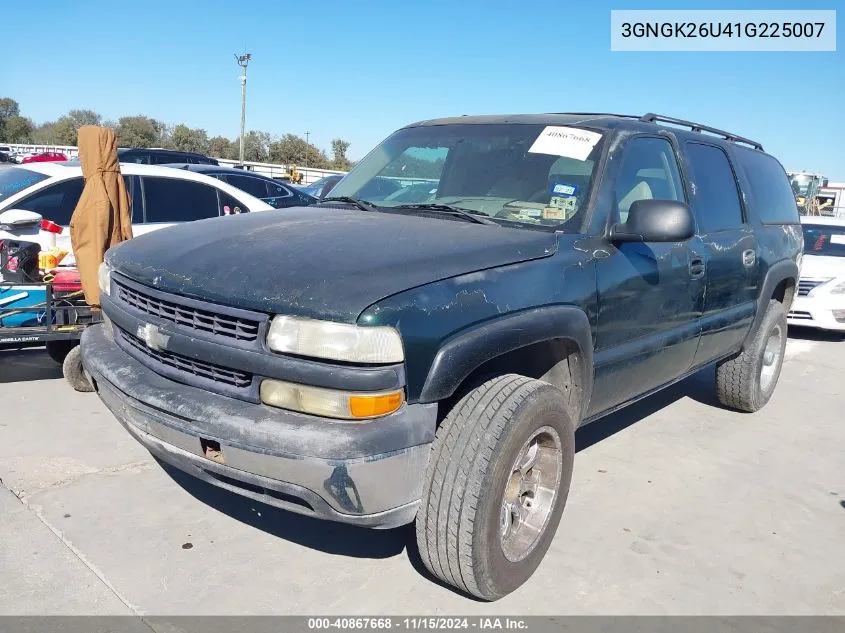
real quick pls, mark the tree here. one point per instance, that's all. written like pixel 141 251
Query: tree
pixel 218 147
pixel 186 139
pixel 8 109
pixel 292 149
pixel 339 160
pixel 18 129
pixel 44 134
pixel 138 131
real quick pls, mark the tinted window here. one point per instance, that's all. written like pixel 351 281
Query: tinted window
pixel 172 200
pixel 133 157
pixel 230 206
pixel 715 195
pixel 772 194
pixel 277 191
pixel 253 186
pixel 820 239
pixel 17 179
pixel 57 202
pixel 164 158
pixel 649 171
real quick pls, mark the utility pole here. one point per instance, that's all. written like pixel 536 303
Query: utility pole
pixel 307 147
pixel 243 60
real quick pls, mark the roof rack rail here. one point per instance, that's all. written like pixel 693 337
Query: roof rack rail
pixel 624 116
pixel 698 127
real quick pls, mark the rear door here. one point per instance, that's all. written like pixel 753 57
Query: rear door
pixel 169 201
pixel 729 248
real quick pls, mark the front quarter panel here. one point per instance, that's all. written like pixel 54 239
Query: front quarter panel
pixel 429 316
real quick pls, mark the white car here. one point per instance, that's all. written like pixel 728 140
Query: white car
pixel 820 301
pixel 161 196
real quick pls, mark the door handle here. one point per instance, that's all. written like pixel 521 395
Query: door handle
pixel 696 268
pixel 749 257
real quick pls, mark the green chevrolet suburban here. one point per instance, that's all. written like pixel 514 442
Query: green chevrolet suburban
pixel 424 353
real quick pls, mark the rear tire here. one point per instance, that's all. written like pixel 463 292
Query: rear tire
pixel 58 350
pixel 496 485
pixel 74 373
pixel 747 382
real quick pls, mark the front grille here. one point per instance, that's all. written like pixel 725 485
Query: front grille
pixel 201 369
pixel 238 328
pixel 806 285
pixel 800 315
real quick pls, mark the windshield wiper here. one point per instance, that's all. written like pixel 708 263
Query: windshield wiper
pixel 472 216
pixel 355 202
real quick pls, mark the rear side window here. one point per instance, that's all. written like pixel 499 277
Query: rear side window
pixel 17 179
pixel 773 197
pixel 715 197
pixel 173 200
pixel 56 202
pixel 253 186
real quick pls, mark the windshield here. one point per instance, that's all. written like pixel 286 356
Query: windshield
pixel 820 239
pixel 801 184
pixel 513 173
pixel 17 179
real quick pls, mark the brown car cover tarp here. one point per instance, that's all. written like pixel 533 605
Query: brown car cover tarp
pixel 103 216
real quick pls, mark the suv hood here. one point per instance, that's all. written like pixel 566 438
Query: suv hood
pixel 318 262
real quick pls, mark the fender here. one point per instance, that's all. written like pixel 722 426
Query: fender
pixel 466 351
pixel 784 269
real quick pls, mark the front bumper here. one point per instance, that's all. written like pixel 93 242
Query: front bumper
pixel 816 312
pixel 368 474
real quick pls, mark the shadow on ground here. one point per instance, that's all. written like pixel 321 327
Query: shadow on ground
pixel 346 540
pixel 19 365
pixel 812 334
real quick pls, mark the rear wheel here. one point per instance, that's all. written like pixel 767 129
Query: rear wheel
pixel 496 485
pixel 747 382
pixel 58 350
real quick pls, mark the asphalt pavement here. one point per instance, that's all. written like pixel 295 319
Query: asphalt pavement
pixel 677 507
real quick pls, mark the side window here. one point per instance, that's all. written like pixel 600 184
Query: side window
pixel 253 186
pixel 135 205
pixel 55 203
pixel 230 206
pixel 174 200
pixel 715 197
pixel 141 159
pixel 277 191
pixel 649 171
pixel 773 196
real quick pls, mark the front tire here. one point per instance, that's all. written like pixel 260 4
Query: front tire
pixel 747 382
pixel 74 373
pixel 496 485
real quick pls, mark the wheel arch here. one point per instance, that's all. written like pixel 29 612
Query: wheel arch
pixel 552 343
pixel 780 284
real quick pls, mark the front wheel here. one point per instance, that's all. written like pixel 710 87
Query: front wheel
pixel 747 382
pixel 496 485
pixel 74 373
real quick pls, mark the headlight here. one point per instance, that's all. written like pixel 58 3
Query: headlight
pixel 328 402
pixel 335 341
pixel 104 278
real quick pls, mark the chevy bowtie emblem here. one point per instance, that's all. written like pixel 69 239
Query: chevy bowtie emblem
pixel 152 336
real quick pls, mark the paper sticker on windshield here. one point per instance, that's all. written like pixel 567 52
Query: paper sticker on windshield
pixel 565 141
pixel 562 189
pixel 837 239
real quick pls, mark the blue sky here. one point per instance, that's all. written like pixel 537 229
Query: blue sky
pixel 359 70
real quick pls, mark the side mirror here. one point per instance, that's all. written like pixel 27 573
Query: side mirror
pixel 655 221
pixel 17 219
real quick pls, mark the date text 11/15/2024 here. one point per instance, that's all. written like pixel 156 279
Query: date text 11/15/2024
pixel 418 623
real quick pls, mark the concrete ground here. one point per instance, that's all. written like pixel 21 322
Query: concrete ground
pixel 677 507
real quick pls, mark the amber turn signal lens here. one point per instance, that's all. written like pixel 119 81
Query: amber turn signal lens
pixel 372 406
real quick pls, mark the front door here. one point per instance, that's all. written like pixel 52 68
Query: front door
pixel 649 294
pixel 729 248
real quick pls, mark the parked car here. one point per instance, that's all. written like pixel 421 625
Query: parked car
pixel 5 153
pixel 160 196
pixel 820 302
pixel 18 157
pixel 159 156
pixel 379 363
pixel 321 187
pixel 270 190
pixel 44 157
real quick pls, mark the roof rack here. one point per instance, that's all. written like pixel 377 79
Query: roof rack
pixel 698 127
pixel 624 116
